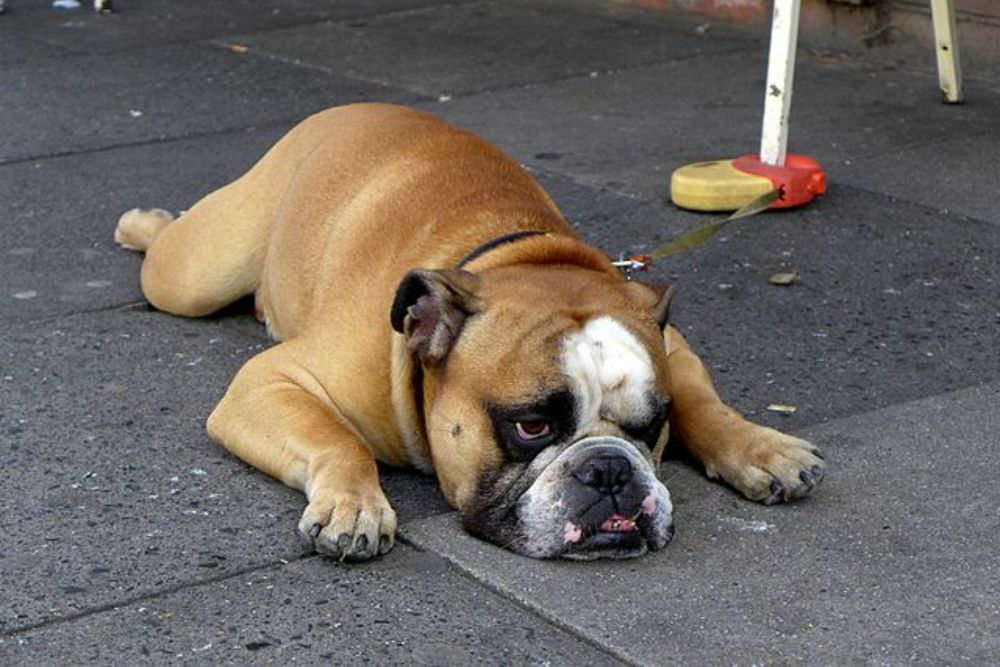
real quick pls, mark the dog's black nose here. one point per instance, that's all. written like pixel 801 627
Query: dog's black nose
pixel 606 472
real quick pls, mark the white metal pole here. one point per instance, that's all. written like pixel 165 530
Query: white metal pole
pixel 949 66
pixel 780 77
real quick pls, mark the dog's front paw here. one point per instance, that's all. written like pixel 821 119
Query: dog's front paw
pixel 769 466
pixel 349 526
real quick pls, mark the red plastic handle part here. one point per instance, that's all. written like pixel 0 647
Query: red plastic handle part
pixel 800 180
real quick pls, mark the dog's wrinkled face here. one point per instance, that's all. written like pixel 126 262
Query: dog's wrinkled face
pixel 544 417
pixel 577 478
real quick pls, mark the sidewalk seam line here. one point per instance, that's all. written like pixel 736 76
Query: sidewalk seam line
pixel 429 97
pixel 129 601
pixel 472 93
pixel 529 608
pixel 143 142
pixel 76 52
pixel 42 319
pixel 916 204
pixel 578 181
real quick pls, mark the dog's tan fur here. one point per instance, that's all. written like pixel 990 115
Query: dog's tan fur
pixel 322 229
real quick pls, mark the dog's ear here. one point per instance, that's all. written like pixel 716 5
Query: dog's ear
pixel 430 308
pixel 657 297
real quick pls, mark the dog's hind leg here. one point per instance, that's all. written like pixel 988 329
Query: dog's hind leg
pixel 206 259
pixel 277 417
pixel 761 463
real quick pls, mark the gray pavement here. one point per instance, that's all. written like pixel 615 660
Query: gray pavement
pixel 128 536
pixel 864 572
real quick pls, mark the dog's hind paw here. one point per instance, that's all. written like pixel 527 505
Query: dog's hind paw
pixel 348 527
pixel 138 227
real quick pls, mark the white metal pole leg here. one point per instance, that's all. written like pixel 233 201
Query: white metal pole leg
pixel 780 77
pixel 949 66
pixel 775 179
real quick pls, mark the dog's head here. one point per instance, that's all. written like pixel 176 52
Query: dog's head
pixel 545 405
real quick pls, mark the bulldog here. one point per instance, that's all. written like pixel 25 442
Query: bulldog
pixel 433 309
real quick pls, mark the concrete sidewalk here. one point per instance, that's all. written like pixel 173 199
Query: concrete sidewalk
pixel 128 537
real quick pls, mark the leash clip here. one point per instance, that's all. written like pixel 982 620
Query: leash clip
pixel 634 264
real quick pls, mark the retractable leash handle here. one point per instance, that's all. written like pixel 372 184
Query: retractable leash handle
pixel 745 182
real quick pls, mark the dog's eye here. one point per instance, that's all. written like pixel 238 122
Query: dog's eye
pixel 526 428
pixel 530 431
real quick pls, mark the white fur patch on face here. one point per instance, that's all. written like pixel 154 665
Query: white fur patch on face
pixel 610 371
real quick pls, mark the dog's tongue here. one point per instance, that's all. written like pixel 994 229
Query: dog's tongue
pixel 618 523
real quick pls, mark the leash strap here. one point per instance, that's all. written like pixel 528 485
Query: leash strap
pixel 695 237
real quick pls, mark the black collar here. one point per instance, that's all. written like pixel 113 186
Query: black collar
pixel 506 239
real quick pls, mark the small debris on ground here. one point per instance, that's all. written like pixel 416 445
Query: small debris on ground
pixel 784 279
pixel 747 525
pixel 829 57
pixel 781 408
pixel 239 48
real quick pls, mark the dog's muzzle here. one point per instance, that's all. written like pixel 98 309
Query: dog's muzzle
pixel 599 498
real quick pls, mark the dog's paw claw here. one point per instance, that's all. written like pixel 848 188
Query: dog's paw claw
pixel 773 467
pixel 812 477
pixel 776 491
pixel 345 528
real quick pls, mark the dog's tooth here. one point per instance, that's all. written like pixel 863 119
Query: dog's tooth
pixel 572 532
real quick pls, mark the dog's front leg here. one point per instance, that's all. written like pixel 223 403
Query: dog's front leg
pixel 761 463
pixel 277 417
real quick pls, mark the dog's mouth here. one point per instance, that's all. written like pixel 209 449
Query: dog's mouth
pixel 619 523
pixel 618 536
pixel 616 524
